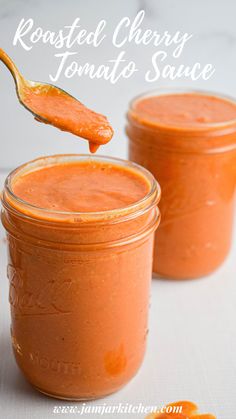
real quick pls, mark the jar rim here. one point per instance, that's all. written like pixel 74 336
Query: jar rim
pixel 181 90
pixel 14 203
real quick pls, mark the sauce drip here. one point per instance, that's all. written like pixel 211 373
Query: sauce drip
pixel 54 106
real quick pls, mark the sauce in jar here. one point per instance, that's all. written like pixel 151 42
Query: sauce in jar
pixel 80 234
pixel 188 141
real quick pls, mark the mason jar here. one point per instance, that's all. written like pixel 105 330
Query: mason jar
pixel 196 169
pixel 79 287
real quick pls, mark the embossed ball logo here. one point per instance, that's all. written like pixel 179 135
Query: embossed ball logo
pixel 54 298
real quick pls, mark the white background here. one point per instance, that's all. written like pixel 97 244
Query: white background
pixel 192 340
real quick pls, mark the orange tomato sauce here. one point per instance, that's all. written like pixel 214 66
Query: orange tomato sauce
pixel 56 107
pixel 80 237
pixel 188 410
pixel 188 142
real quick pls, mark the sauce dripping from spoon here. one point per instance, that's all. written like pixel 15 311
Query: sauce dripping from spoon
pixel 54 106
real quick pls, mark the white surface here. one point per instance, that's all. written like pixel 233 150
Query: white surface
pixel 191 350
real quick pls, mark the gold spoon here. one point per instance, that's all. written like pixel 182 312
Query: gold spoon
pixel 52 105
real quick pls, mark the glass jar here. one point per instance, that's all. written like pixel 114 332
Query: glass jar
pixel 196 169
pixel 79 288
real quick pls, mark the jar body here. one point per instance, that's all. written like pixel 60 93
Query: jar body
pixel 197 175
pixel 79 309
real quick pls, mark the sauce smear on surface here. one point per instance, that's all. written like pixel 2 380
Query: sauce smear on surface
pixel 188 410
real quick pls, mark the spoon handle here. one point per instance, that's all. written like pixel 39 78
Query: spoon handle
pixel 11 66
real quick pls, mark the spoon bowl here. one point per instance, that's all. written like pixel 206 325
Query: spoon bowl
pixel 52 105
